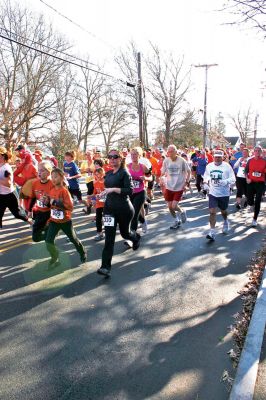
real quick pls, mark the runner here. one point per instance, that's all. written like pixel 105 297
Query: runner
pixel 139 174
pixel 61 209
pixel 99 203
pixel 8 198
pixel 39 205
pixel 177 174
pixel 87 169
pixel 72 174
pixel 241 183
pixel 218 177
pixel 117 210
pixel 255 175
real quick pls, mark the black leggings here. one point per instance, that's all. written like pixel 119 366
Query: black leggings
pixel 39 228
pixel 137 199
pixel 123 213
pixel 99 219
pixel 10 201
pixel 199 181
pixel 68 230
pixel 241 185
pixel 255 189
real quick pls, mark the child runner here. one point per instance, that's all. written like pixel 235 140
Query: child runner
pixel 72 174
pixel 61 209
pixel 98 189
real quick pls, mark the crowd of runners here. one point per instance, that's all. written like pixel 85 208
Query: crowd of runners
pixel 120 189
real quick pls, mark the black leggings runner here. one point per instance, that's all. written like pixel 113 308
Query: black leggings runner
pixel 10 201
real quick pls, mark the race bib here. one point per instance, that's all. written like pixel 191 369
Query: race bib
pixel 256 174
pixel 40 204
pixel 57 214
pixel 108 220
pixel 136 184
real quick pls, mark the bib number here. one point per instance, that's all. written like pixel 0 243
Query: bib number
pixel 136 184
pixel 40 204
pixel 57 214
pixel 256 174
pixel 108 220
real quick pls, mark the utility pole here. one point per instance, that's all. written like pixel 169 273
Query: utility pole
pixel 205 123
pixel 140 103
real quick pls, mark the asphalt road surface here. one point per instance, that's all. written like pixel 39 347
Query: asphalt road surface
pixel 158 329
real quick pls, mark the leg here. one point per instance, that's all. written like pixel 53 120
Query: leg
pixel 14 207
pixel 212 217
pixel 52 231
pixel 108 250
pixel 69 231
pixel 99 217
pixel 39 228
pixel 258 197
pixel 137 202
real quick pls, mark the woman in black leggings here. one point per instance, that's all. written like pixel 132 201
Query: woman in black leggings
pixel 8 198
pixel 117 210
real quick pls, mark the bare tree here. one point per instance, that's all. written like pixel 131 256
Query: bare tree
pixel 251 12
pixel 113 117
pixel 90 88
pixel 27 76
pixel 169 83
pixel 127 61
pixel 242 123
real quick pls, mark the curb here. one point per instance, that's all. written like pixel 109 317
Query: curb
pixel 246 375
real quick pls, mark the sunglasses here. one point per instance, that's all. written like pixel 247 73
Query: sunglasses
pixel 113 156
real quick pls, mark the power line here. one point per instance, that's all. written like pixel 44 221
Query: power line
pixel 49 48
pixel 67 61
pixel 76 24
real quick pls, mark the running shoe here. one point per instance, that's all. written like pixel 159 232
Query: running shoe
pixel 104 271
pixel 254 222
pixel 144 227
pixel 136 242
pixel 183 217
pixel 127 244
pixel 98 237
pixel 83 257
pixel 210 236
pixel 176 225
pixel 226 227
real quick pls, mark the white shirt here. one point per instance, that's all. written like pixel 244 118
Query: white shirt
pixel 219 178
pixel 176 173
pixel 5 189
pixel 241 165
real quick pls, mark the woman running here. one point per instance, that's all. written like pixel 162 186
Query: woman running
pixel 139 174
pixel 117 210
pixel 61 209
pixel 8 198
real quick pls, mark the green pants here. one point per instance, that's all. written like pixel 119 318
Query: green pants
pixel 67 228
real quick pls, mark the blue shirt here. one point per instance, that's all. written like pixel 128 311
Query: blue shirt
pixel 72 169
pixel 201 165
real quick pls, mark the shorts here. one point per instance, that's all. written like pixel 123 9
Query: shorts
pixel 171 195
pixel 220 202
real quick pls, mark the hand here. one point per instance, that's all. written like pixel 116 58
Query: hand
pixel 206 187
pixel 248 181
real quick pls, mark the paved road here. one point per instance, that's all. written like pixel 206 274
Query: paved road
pixel 158 329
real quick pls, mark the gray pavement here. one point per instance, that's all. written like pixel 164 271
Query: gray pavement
pixel 158 329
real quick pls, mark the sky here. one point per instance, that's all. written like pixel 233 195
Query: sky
pixel 193 29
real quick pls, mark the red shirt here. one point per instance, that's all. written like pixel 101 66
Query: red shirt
pixel 256 169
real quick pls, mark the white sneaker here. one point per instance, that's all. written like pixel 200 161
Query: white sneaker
pixel 254 223
pixel 98 237
pixel 183 217
pixel 176 225
pixel 211 236
pixel 144 227
pixel 226 227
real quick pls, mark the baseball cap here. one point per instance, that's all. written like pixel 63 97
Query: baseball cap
pixel 124 150
pixel 218 153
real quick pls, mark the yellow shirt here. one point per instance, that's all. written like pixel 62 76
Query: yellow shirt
pixel 88 175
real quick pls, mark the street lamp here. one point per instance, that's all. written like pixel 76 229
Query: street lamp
pixel 205 124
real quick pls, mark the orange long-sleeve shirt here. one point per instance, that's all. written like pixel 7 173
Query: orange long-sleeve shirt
pixel 39 190
pixel 61 214
pixel 98 188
